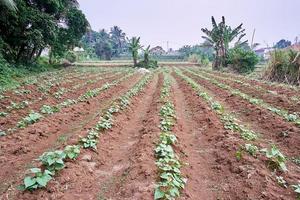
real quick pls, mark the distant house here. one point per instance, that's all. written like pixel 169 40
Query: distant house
pixel 158 50
pixel 264 52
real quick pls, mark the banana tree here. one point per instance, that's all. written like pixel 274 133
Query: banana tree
pixel 220 37
pixel 134 47
pixel 146 54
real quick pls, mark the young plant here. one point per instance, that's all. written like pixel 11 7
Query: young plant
pixel 217 107
pixel 72 152
pixel 105 122
pixel 32 118
pixel 297 190
pixel 3 114
pixel 37 179
pixel 281 181
pixel 251 149
pixel 53 161
pixel 90 141
pixel 276 158
pixel 2 133
pixel 49 109
pixel 248 134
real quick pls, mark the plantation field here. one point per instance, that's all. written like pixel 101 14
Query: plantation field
pixel 178 132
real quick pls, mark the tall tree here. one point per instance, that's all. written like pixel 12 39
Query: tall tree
pixel 219 37
pixel 10 4
pixel 283 44
pixel 118 40
pixel 40 24
pixel 134 47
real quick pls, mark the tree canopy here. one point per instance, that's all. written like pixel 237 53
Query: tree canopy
pixel 36 25
pixel 104 44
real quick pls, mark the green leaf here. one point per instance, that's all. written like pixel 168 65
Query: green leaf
pixel 35 170
pixel 28 182
pixel 158 194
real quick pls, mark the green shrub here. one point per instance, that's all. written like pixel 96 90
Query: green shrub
pixel 284 66
pixel 241 60
pixel 148 65
pixel 71 57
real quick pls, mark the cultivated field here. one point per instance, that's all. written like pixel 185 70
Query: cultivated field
pixel 115 133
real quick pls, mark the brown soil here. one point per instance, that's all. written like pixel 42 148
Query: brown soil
pixel 17 151
pixel 123 166
pixel 279 101
pixel 213 171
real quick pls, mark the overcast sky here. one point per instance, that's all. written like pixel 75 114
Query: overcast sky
pixel 180 21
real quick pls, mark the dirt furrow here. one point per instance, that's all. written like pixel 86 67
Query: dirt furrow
pixel 272 127
pixel 17 151
pixel 213 171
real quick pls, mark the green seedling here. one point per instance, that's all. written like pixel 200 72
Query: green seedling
pixel 276 160
pixel 37 179
pixel 53 161
pixel 72 152
pixel 32 118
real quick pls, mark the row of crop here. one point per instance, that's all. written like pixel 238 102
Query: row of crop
pixel 294 99
pixel 171 181
pixel 53 162
pixel 276 160
pixel 35 116
pixel 289 117
pixel 268 83
pixel 25 103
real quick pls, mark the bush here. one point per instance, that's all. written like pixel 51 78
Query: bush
pixel 148 65
pixel 71 57
pixel 199 59
pixel 241 60
pixel 284 66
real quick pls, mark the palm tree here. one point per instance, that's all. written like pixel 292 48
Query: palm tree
pixel 134 47
pixel 220 37
pixel 10 4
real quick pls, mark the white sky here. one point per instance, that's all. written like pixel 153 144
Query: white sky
pixel 180 21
